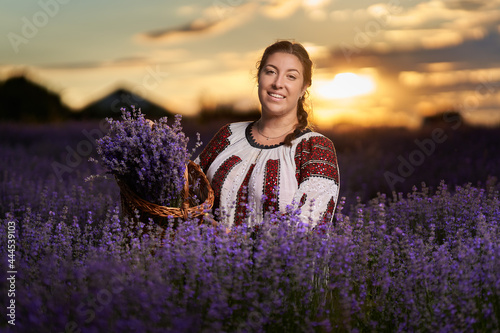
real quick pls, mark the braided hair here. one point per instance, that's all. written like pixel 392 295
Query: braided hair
pixel 300 52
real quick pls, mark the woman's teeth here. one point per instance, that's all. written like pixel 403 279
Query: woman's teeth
pixel 276 95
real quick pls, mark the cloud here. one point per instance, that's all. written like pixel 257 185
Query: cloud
pixel 187 10
pixel 485 76
pixel 469 5
pixel 383 29
pixel 429 38
pixel 215 20
pixel 471 54
pixel 429 25
pixel 165 56
pixel 460 15
pixel 317 51
pixel 280 9
pixel 223 16
pixel 231 60
pixel 359 15
pixel 316 9
pixel 133 61
pixel 151 58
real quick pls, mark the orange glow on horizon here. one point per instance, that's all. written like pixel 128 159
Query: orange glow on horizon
pixel 345 85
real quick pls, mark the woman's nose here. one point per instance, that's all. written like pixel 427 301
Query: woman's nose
pixel 278 81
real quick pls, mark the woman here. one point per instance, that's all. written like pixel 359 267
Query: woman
pixel 277 160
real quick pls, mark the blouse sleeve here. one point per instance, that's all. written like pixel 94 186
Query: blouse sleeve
pixel 217 144
pixel 318 179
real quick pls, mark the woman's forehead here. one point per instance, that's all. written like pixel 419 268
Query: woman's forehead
pixel 284 61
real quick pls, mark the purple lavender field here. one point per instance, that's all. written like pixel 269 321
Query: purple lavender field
pixel 401 256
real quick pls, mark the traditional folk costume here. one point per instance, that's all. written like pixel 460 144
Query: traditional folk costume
pixel 246 175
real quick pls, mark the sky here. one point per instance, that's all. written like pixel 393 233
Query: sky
pixel 376 63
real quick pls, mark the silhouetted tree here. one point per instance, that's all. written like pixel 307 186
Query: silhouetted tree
pixel 24 100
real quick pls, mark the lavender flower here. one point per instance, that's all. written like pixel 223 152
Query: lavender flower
pixel 150 157
pixel 424 261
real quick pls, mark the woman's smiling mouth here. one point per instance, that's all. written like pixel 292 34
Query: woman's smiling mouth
pixel 274 95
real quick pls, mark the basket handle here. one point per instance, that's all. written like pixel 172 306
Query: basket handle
pixel 186 186
pixel 185 203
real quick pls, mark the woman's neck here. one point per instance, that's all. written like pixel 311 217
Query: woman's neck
pixel 272 132
pixel 273 124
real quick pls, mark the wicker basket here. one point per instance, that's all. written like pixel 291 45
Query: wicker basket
pixel 196 186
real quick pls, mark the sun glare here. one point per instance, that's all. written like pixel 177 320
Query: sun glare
pixel 345 85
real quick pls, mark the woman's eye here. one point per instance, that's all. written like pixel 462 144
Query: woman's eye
pixel 292 77
pixel 269 71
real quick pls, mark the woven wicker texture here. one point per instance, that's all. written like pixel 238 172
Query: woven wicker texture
pixel 196 189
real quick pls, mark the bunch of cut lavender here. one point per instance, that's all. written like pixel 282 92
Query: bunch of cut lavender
pixel 150 157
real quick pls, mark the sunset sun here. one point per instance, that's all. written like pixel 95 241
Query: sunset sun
pixel 345 85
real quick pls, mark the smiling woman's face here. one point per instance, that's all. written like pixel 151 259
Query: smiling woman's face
pixel 281 84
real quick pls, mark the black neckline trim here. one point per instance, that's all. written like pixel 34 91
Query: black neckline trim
pixel 253 143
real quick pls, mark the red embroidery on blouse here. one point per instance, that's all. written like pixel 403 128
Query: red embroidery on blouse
pixel 271 183
pixel 316 157
pixel 218 143
pixel 242 198
pixel 328 215
pixel 221 175
pixel 303 200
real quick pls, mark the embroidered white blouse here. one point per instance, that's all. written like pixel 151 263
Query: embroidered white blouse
pixel 248 176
